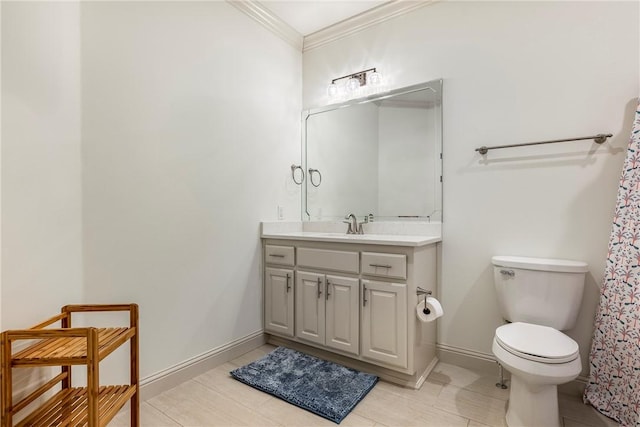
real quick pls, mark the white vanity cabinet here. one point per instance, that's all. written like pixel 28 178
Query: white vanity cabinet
pixel 353 302
pixel 327 311
pixel 310 307
pixel 384 322
pixel 279 301
pixel 279 290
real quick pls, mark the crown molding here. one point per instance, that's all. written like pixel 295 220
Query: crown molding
pixel 362 21
pixel 345 28
pixel 270 21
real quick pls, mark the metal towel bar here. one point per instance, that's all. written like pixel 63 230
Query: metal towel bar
pixel 598 139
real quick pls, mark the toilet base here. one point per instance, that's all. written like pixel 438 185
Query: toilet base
pixel 532 405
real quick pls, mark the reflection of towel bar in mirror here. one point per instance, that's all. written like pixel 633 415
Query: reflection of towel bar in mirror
pixel 293 174
pixel 311 172
pixel 598 139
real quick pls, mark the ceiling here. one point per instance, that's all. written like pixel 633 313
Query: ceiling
pixel 309 16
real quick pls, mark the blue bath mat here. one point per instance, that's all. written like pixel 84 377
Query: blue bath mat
pixel 322 387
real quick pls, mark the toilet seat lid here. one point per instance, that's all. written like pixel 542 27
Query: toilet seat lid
pixel 537 343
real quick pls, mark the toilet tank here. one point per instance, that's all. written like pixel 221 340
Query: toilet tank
pixel 542 291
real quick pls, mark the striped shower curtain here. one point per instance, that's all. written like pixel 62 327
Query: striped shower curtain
pixel 614 381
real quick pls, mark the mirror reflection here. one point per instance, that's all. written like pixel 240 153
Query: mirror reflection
pixel 380 155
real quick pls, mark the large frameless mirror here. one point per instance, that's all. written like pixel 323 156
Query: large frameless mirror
pixel 379 155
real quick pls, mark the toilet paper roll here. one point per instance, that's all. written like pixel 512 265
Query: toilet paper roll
pixel 434 307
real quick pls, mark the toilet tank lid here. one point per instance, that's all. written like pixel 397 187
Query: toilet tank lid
pixel 542 264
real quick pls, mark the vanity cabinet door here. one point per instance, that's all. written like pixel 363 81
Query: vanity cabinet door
pixel 343 326
pixel 310 306
pixel 384 322
pixel 278 296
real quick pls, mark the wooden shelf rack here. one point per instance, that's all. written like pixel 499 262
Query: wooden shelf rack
pixel 93 405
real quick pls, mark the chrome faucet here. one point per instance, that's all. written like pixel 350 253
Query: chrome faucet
pixel 354 226
pixel 353 223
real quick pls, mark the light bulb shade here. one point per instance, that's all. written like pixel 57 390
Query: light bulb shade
pixel 332 90
pixel 375 78
pixel 353 84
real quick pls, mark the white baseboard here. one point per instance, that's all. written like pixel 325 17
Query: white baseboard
pixel 486 363
pixel 423 377
pixel 190 368
pixel 466 358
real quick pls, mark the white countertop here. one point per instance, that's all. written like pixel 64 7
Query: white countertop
pixel 293 231
pixel 371 239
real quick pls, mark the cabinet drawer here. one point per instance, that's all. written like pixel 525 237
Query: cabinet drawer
pixel 384 265
pixel 282 255
pixel 329 259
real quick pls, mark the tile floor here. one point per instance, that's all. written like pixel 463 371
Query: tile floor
pixel 451 396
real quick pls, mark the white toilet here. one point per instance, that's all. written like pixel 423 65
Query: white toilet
pixel 541 297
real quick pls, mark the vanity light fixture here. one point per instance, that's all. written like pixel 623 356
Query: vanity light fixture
pixel 354 82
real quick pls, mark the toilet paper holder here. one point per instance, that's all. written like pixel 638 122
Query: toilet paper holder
pixel 426 293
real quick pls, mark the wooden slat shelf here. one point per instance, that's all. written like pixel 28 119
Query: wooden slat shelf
pixel 71 351
pixel 93 405
pixel 69 407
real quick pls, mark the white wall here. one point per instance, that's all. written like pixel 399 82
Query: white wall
pixel 191 120
pixel 41 165
pixel 142 144
pixel 513 72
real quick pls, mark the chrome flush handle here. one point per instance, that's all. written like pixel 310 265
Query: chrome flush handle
pixel 508 273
